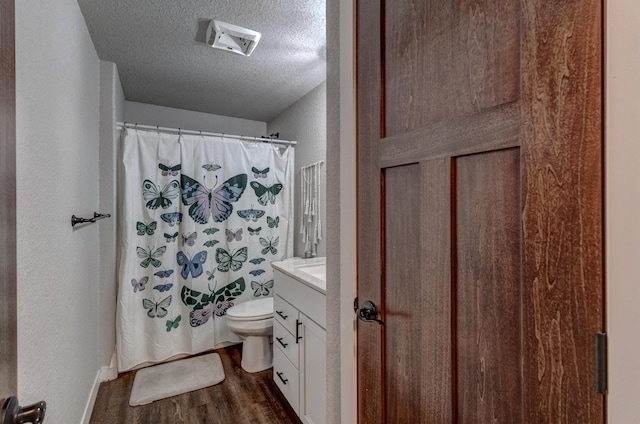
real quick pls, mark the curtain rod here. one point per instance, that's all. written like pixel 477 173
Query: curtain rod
pixel 192 132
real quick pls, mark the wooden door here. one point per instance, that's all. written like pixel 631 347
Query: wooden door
pixel 479 210
pixel 8 349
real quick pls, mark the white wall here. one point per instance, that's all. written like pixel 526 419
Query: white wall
pixel 622 226
pixel 146 114
pixel 305 121
pixel 57 117
pixel 341 233
pixel 111 111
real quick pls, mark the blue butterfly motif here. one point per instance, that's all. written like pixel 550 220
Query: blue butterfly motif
pixel 215 202
pixel 256 272
pixel 250 214
pixel 191 265
pixel 172 218
pixel 257 261
pixel 163 287
pixel 164 274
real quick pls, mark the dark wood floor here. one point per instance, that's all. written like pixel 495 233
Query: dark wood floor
pixel 241 398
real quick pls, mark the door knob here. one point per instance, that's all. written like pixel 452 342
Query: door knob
pixel 13 413
pixel 367 313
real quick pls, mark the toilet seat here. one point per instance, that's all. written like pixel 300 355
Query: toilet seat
pixel 252 310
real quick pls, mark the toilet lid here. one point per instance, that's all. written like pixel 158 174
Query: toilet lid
pixel 252 310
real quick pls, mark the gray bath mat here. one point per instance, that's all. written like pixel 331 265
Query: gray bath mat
pixel 174 378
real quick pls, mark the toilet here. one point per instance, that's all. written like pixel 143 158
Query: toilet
pixel 252 321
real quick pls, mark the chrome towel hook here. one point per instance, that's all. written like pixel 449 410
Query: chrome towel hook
pixel 96 216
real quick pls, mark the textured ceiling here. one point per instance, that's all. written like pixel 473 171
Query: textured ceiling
pixel 158 46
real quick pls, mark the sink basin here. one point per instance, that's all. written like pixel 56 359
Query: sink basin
pixel 317 271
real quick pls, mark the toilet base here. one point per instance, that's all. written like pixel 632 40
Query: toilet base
pixel 257 353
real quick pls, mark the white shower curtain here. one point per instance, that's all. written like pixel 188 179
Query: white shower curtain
pixel 202 218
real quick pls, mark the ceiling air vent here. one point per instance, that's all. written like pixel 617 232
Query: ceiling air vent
pixel 232 38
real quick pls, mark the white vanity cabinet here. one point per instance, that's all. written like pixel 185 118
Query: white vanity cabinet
pixel 299 340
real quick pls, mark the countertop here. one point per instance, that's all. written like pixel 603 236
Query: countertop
pixel 294 268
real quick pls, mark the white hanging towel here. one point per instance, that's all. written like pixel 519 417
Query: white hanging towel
pixel 310 226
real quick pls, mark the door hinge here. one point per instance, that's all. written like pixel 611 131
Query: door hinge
pixel 600 344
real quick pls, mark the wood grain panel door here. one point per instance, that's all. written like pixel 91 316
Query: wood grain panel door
pixel 8 326
pixel 479 210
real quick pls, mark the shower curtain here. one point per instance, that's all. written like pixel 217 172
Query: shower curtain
pixel 201 220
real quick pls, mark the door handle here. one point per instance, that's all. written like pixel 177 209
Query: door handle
pixel 13 413
pixel 367 313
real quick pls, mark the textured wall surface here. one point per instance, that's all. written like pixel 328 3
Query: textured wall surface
pixel 57 85
pixel 622 208
pixel 306 122
pixel 333 213
pixel 341 193
pixel 142 113
pixel 111 109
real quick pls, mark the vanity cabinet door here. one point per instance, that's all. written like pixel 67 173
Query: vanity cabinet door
pixel 313 365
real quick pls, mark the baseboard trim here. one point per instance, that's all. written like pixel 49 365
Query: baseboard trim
pixel 88 410
pixel 110 372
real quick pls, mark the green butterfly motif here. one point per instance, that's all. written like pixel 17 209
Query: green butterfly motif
pixel 146 228
pixel 210 243
pixel 150 257
pixel 211 166
pixel 266 194
pixel 209 231
pixel 273 222
pixel 173 324
pixel 269 245
pixel 227 260
pixel 215 303
pixel 211 274
pixel 171 237
pixel 157 309
pixel 169 170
